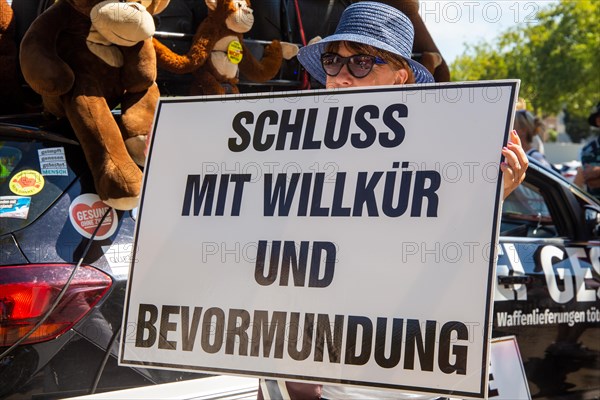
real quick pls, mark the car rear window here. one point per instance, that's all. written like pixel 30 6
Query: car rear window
pixel 33 175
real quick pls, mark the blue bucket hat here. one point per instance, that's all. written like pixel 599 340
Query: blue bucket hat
pixel 373 24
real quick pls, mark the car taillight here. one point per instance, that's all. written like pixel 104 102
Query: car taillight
pixel 28 291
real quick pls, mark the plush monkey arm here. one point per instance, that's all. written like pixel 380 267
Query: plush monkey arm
pixel 139 68
pixel 183 64
pixel 266 68
pixel 42 68
pixel 7 21
pixel 8 48
pixel 289 50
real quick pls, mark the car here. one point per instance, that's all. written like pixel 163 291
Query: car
pixel 568 169
pixel 548 284
pixel 46 207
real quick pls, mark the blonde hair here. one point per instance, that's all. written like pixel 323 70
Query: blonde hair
pixel 396 62
pixel 528 125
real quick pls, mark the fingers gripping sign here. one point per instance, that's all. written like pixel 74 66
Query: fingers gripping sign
pixel 515 164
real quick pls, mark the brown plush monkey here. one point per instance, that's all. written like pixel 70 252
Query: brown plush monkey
pixel 85 57
pixel 218 53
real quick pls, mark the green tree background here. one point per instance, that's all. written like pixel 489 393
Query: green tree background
pixel 557 59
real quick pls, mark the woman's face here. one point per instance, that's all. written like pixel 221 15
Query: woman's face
pixel 381 74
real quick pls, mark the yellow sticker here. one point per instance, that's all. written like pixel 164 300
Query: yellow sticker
pixel 26 183
pixel 234 52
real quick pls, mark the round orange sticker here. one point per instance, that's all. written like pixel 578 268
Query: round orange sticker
pixel 234 52
pixel 26 183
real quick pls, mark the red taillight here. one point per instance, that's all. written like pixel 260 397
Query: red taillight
pixel 28 291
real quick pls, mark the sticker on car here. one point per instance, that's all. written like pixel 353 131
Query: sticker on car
pixel 27 183
pixel 53 161
pixel 14 207
pixel 86 213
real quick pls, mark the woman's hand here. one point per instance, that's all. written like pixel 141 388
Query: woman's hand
pixel 515 164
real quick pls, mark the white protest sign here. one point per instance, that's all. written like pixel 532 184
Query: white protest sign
pixel 508 380
pixel 336 236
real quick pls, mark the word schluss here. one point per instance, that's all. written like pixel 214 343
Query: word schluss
pixel 252 129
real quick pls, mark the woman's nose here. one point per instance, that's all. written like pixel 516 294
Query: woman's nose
pixel 344 78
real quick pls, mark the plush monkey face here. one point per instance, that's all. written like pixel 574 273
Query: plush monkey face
pixel 241 18
pixel 239 14
pixel 152 6
pixel 123 24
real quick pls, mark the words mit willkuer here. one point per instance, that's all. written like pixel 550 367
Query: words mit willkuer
pixel 403 189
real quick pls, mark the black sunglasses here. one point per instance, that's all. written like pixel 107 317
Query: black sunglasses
pixel 359 65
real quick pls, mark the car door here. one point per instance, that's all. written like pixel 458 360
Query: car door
pixel 548 284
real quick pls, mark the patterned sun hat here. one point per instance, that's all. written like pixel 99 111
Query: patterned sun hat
pixel 373 24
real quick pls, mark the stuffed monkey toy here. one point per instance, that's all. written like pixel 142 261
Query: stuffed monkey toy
pixel 85 57
pixel 218 52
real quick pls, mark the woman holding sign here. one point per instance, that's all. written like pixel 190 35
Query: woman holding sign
pixel 372 46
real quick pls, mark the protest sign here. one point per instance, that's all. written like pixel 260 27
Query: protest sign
pixel 508 380
pixel 342 236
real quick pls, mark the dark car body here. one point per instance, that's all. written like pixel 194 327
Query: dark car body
pixel 548 284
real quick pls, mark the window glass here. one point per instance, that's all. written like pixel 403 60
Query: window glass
pixel 9 158
pixel 591 215
pixel 526 214
pixel 33 174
